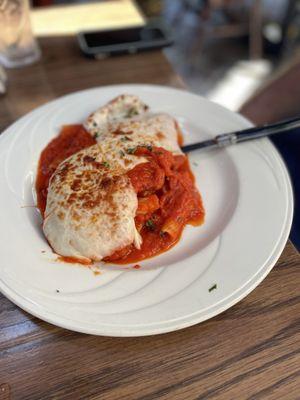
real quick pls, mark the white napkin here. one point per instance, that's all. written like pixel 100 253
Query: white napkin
pixel 3 79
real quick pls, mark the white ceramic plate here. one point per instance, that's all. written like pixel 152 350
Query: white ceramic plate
pixel 249 205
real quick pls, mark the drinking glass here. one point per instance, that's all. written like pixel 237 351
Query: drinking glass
pixel 18 46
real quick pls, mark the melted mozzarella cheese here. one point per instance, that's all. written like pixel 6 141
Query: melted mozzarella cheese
pixel 91 203
pixel 154 129
pixel 124 106
pixel 90 207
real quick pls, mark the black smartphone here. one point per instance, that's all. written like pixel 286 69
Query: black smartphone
pixel 100 44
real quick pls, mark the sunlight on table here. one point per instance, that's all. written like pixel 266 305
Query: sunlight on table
pixel 68 20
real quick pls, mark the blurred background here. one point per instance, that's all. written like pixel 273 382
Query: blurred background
pixel 223 49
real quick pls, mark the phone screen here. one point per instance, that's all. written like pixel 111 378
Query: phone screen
pixel 129 35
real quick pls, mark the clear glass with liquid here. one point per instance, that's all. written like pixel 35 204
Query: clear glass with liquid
pixel 18 47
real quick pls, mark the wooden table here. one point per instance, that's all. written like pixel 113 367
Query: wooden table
pixel 248 352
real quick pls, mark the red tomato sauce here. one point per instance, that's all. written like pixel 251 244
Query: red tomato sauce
pixel 70 140
pixel 73 260
pixel 168 184
pixel 167 196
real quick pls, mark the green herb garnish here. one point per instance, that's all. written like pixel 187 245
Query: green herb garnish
pixel 213 287
pixel 132 112
pixel 122 154
pixel 150 224
pixel 105 164
pixel 125 139
pixel 131 150
pixel 96 135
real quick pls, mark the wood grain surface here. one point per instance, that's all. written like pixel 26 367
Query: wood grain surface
pixel 251 351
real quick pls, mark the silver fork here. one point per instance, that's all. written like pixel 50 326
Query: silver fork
pixel 256 132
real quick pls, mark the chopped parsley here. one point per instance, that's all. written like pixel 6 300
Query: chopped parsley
pixel 96 135
pixel 131 150
pixel 150 224
pixel 105 164
pixel 122 154
pixel 132 112
pixel 125 139
pixel 213 287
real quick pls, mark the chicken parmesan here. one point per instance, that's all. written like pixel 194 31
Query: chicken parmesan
pixel 118 187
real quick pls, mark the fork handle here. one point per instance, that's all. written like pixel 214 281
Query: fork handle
pixel 256 132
